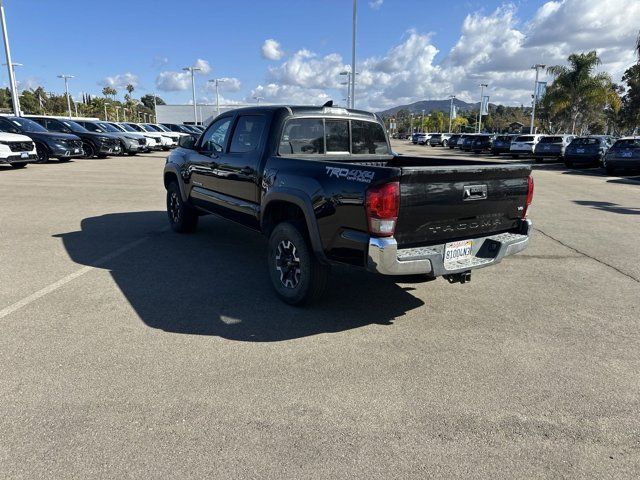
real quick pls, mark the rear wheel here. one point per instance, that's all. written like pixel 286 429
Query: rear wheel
pixel 183 218
pixel 19 164
pixel 296 274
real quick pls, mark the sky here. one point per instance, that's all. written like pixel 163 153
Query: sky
pixel 293 51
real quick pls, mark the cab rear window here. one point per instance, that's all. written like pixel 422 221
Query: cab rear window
pixel 332 136
pixel 551 140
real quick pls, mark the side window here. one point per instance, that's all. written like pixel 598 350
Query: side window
pixel 54 125
pixel 214 138
pixel 368 138
pixel 302 135
pixel 337 135
pixel 247 133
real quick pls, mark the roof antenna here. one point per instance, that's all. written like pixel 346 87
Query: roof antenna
pixel 328 104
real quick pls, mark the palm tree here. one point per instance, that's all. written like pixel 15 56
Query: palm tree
pixel 578 94
pixel 130 88
pixel 638 47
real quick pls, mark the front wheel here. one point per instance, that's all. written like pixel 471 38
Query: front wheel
pixel 183 218
pixel 43 154
pixel 296 274
pixel 89 150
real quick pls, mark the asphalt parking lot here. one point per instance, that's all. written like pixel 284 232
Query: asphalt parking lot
pixel 128 351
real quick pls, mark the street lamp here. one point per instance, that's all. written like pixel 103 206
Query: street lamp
pixel 422 122
pixel 193 89
pixel 482 87
pixel 66 90
pixel 353 55
pixel 117 107
pixel 257 99
pixel 15 98
pixel 537 68
pixel 217 81
pixel 452 97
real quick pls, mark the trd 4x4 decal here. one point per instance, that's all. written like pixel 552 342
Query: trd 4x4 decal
pixel 364 176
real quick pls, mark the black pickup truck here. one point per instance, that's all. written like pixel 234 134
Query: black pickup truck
pixel 323 185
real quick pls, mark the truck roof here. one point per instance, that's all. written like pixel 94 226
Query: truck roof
pixel 311 110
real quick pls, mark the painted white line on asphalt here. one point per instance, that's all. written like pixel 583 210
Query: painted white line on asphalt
pixel 69 278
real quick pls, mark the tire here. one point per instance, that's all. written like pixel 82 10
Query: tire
pixel 89 150
pixel 63 159
pixel 43 154
pixel 444 144
pixel 183 218
pixel 17 165
pixel 296 274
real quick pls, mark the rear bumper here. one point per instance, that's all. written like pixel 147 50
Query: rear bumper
pixel 583 158
pixel 623 162
pixel 385 258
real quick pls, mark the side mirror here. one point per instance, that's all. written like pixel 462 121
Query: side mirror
pixel 187 141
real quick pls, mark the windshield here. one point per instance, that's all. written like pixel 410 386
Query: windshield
pixel 134 127
pixel 127 128
pixel 551 140
pixel 436 135
pixel 161 128
pixel 524 139
pixel 504 138
pixel 28 125
pixel 586 141
pixel 108 128
pixel 75 127
pixel 93 127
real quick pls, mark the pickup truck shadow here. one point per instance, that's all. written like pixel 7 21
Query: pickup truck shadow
pixel 215 282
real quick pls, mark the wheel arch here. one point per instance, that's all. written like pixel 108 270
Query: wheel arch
pixel 171 174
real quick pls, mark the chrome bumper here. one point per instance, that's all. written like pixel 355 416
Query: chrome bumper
pixel 385 258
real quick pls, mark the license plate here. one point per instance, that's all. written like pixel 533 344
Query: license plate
pixel 24 155
pixel 76 150
pixel 456 251
pixel 547 147
pixel 627 154
pixel 580 150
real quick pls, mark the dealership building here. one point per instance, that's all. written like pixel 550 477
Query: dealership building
pixel 184 113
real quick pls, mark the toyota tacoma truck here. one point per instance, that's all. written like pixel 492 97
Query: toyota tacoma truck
pixel 323 185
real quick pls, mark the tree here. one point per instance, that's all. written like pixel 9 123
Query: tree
pixel 147 101
pixel 130 88
pixel 631 101
pixel 578 96
pixel 106 91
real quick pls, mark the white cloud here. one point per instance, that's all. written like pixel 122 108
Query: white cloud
pixel 271 50
pixel 28 83
pixel 496 48
pixel 172 81
pixel 119 81
pixel 376 4
pixel 226 84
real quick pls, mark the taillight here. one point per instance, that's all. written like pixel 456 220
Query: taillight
pixel 383 202
pixel 529 195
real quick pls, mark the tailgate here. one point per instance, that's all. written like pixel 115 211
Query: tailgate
pixel 441 204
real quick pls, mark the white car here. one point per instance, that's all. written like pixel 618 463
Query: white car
pixel 17 150
pixel 165 142
pixel 524 145
pixel 166 131
pixel 423 138
pixel 152 141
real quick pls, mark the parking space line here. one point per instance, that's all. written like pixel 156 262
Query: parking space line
pixel 69 278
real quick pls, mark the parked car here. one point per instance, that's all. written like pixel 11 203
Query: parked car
pixel 48 145
pixel 439 139
pixel 482 143
pixel 17 150
pixel 99 145
pixel 150 143
pixel 551 146
pixel 175 127
pixel 524 145
pixel 466 142
pixel 324 196
pixel 165 142
pixel 414 138
pixel 165 130
pixel 423 138
pixel 453 140
pixel 502 144
pixel 625 153
pixel 173 136
pixel 129 145
pixel 590 150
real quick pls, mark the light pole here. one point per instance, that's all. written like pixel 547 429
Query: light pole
pixel 15 98
pixel 193 89
pixel 155 108
pixel 537 68
pixel 124 114
pixel 422 122
pixel 411 126
pixel 117 107
pixel 217 81
pixel 452 97
pixel 257 99
pixel 348 84
pixel 353 55
pixel 66 90
pixel 106 117
pixel 482 87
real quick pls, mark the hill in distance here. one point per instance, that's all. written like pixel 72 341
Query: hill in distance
pixel 430 106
